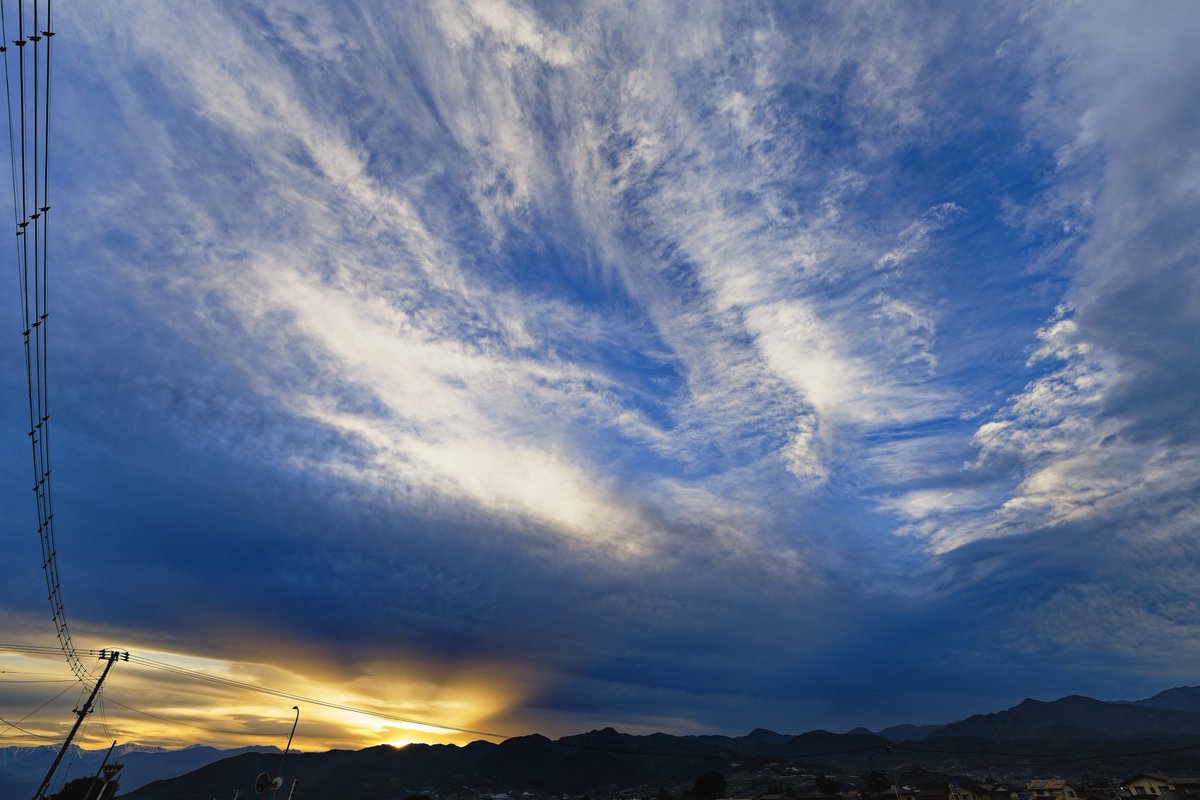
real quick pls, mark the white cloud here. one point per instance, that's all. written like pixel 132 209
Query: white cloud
pixel 785 349
pixel 915 237
pixel 923 503
pixel 647 292
pixel 514 28
pixel 1101 435
pixel 790 327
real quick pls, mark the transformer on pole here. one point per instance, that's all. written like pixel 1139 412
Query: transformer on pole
pixel 113 657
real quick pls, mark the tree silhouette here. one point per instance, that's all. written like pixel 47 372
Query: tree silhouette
pixel 709 786
pixel 77 789
pixel 877 782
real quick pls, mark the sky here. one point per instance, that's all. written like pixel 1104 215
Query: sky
pixel 672 366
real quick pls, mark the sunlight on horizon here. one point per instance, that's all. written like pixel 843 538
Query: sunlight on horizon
pixel 155 707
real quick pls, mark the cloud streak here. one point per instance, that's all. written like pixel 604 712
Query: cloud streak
pixel 665 334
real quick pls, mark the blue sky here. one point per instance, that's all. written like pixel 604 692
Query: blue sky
pixel 680 367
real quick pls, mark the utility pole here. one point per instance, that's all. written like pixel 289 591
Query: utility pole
pixel 82 711
pixel 109 787
pixel 96 777
pixel 895 783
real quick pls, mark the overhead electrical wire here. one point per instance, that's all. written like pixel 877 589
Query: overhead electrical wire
pixel 37 649
pixel 104 717
pixel 16 726
pixel 36 710
pixel 191 724
pixel 29 152
pixel 1044 759
pixel 1040 759
pixel 29 147
pixel 203 676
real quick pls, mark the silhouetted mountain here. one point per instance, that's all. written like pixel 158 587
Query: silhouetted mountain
pixel 13 786
pixel 597 762
pixel 817 745
pixel 602 760
pixel 761 737
pixel 908 733
pixel 1182 698
pixel 1073 717
pixel 26 766
pixel 605 761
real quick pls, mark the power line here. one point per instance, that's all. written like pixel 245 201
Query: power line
pixel 189 724
pixel 1043 759
pixel 1065 757
pixel 952 752
pixel 162 666
pixel 29 145
pixel 568 745
pixel 16 726
pixel 38 649
pixel 36 710
pixel 104 717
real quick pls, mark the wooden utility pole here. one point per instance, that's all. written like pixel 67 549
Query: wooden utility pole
pixel 82 711
pixel 892 764
pixel 100 769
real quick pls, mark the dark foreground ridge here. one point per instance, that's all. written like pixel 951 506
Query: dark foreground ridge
pixel 1074 737
pixel 22 768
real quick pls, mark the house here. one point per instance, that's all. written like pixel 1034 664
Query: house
pixel 1050 789
pixel 964 788
pixel 1101 789
pixel 1186 786
pixel 1147 784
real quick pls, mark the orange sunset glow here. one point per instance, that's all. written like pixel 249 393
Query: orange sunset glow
pixel 165 708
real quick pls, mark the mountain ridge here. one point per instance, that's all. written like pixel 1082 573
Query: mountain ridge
pixel 604 759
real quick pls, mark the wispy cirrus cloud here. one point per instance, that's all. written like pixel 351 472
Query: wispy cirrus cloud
pixel 669 333
pixel 1086 434
pixel 746 303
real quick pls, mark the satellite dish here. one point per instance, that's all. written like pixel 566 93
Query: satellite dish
pixel 262 783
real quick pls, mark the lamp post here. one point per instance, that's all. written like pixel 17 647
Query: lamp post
pixel 289 744
pixel 270 782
